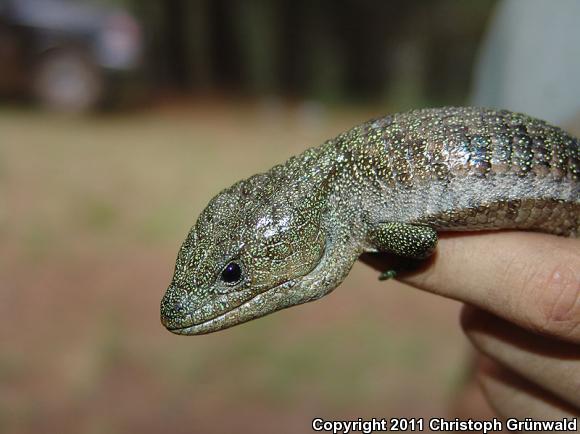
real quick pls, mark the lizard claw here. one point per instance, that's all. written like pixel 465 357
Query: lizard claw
pixel 389 274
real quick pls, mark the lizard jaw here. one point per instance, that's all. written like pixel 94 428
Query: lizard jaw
pixel 264 303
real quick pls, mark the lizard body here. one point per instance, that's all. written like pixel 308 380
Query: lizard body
pixel 292 234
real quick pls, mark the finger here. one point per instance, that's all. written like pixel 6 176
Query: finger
pixel 514 397
pixel 549 363
pixel 468 401
pixel 528 278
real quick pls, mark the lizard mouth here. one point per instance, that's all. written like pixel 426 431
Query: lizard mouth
pixel 286 294
pixel 262 304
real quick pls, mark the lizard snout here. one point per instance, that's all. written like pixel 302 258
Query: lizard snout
pixel 174 308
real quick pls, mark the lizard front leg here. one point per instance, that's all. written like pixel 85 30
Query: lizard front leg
pixel 402 239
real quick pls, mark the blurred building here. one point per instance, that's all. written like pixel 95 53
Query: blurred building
pixel 530 60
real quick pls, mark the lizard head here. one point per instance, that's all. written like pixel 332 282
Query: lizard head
pixel 245 257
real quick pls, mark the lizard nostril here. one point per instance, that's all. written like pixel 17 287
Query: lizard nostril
pixel 178 307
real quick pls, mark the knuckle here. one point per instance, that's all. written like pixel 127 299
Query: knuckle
pixel 551 295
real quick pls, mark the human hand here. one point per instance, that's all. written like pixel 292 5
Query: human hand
pixel 522 292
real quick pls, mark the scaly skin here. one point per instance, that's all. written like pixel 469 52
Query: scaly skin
pixel 386 185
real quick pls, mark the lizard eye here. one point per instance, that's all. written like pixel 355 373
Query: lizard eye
pixel 232 273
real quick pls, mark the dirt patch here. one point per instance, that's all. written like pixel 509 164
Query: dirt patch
pixel 97 210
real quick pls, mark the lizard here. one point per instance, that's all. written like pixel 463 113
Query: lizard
pixel 291 235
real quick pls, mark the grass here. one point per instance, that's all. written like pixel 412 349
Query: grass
pixel 97 209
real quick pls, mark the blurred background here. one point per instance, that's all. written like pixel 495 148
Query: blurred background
pixel 119 120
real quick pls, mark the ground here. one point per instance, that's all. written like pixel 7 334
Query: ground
pixel 92 212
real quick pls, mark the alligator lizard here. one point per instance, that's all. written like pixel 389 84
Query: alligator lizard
pixel 292 234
